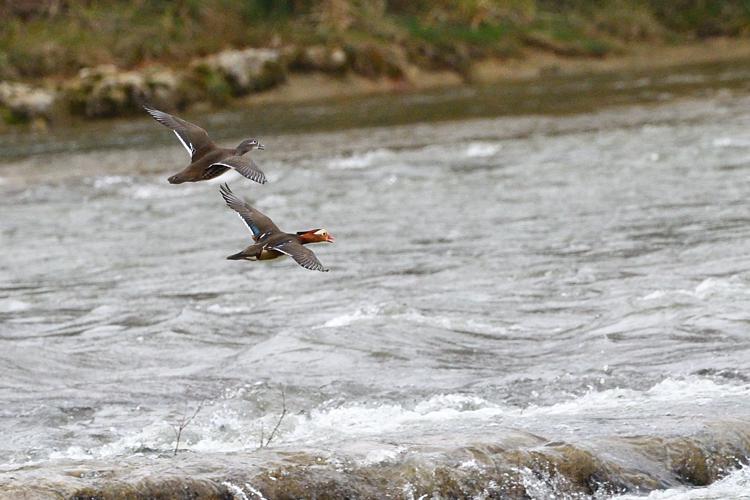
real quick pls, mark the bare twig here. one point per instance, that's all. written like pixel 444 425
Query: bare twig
pixel 278 422
pixel 184 422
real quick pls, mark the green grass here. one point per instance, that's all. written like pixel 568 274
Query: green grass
pixel 129 34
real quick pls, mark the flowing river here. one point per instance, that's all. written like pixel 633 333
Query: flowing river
pixel 538 290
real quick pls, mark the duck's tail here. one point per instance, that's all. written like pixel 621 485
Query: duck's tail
pixel 237 256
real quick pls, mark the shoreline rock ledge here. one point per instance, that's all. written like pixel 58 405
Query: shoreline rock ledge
pixel 107 91
pixel 21 102
pixel 242 71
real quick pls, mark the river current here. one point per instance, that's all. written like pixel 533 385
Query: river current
pixel 519 306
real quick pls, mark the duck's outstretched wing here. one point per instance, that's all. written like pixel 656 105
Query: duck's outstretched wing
pixel 190 135
pixel 245 166
pixel 259 224
pixel 303 256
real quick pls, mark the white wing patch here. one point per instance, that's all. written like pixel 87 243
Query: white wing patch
pixel 248 225
pixel 227 176
pixel 281 250
pixel 188 146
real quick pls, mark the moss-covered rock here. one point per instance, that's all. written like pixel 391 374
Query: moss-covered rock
pixel 163 88
pixel 168 489
pixel 105 91
pixel 22 103
pixel 690 466
pixel 451 57
pixel 319 58
pixel 372 61
pixel 241 71
pixel 203 83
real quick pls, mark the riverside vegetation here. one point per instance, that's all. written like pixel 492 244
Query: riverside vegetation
pixel 101 59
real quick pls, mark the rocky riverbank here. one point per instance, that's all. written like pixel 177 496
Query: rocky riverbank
pixel 70 58
pixel 107 91
pixel 240 77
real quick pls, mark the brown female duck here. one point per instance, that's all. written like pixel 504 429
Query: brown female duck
pixel 270 241
pixel 207 160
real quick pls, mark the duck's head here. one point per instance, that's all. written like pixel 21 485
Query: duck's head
pixel 316 236
pixel 249 145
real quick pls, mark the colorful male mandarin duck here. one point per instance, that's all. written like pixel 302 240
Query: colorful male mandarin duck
pixel 270 241
pixel 207 160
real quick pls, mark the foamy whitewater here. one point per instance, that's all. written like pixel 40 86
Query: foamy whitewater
pixel 519 307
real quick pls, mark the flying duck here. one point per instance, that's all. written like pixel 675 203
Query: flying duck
pixel 270 241
pixel 207 160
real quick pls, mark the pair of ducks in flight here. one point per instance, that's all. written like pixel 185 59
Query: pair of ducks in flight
pixel 208 161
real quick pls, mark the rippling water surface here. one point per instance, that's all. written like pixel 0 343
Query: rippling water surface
pixel 529 305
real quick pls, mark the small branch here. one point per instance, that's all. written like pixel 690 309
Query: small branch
pixel 184 422
pixel 278 422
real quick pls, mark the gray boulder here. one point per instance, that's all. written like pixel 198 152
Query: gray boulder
pixel 373 60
